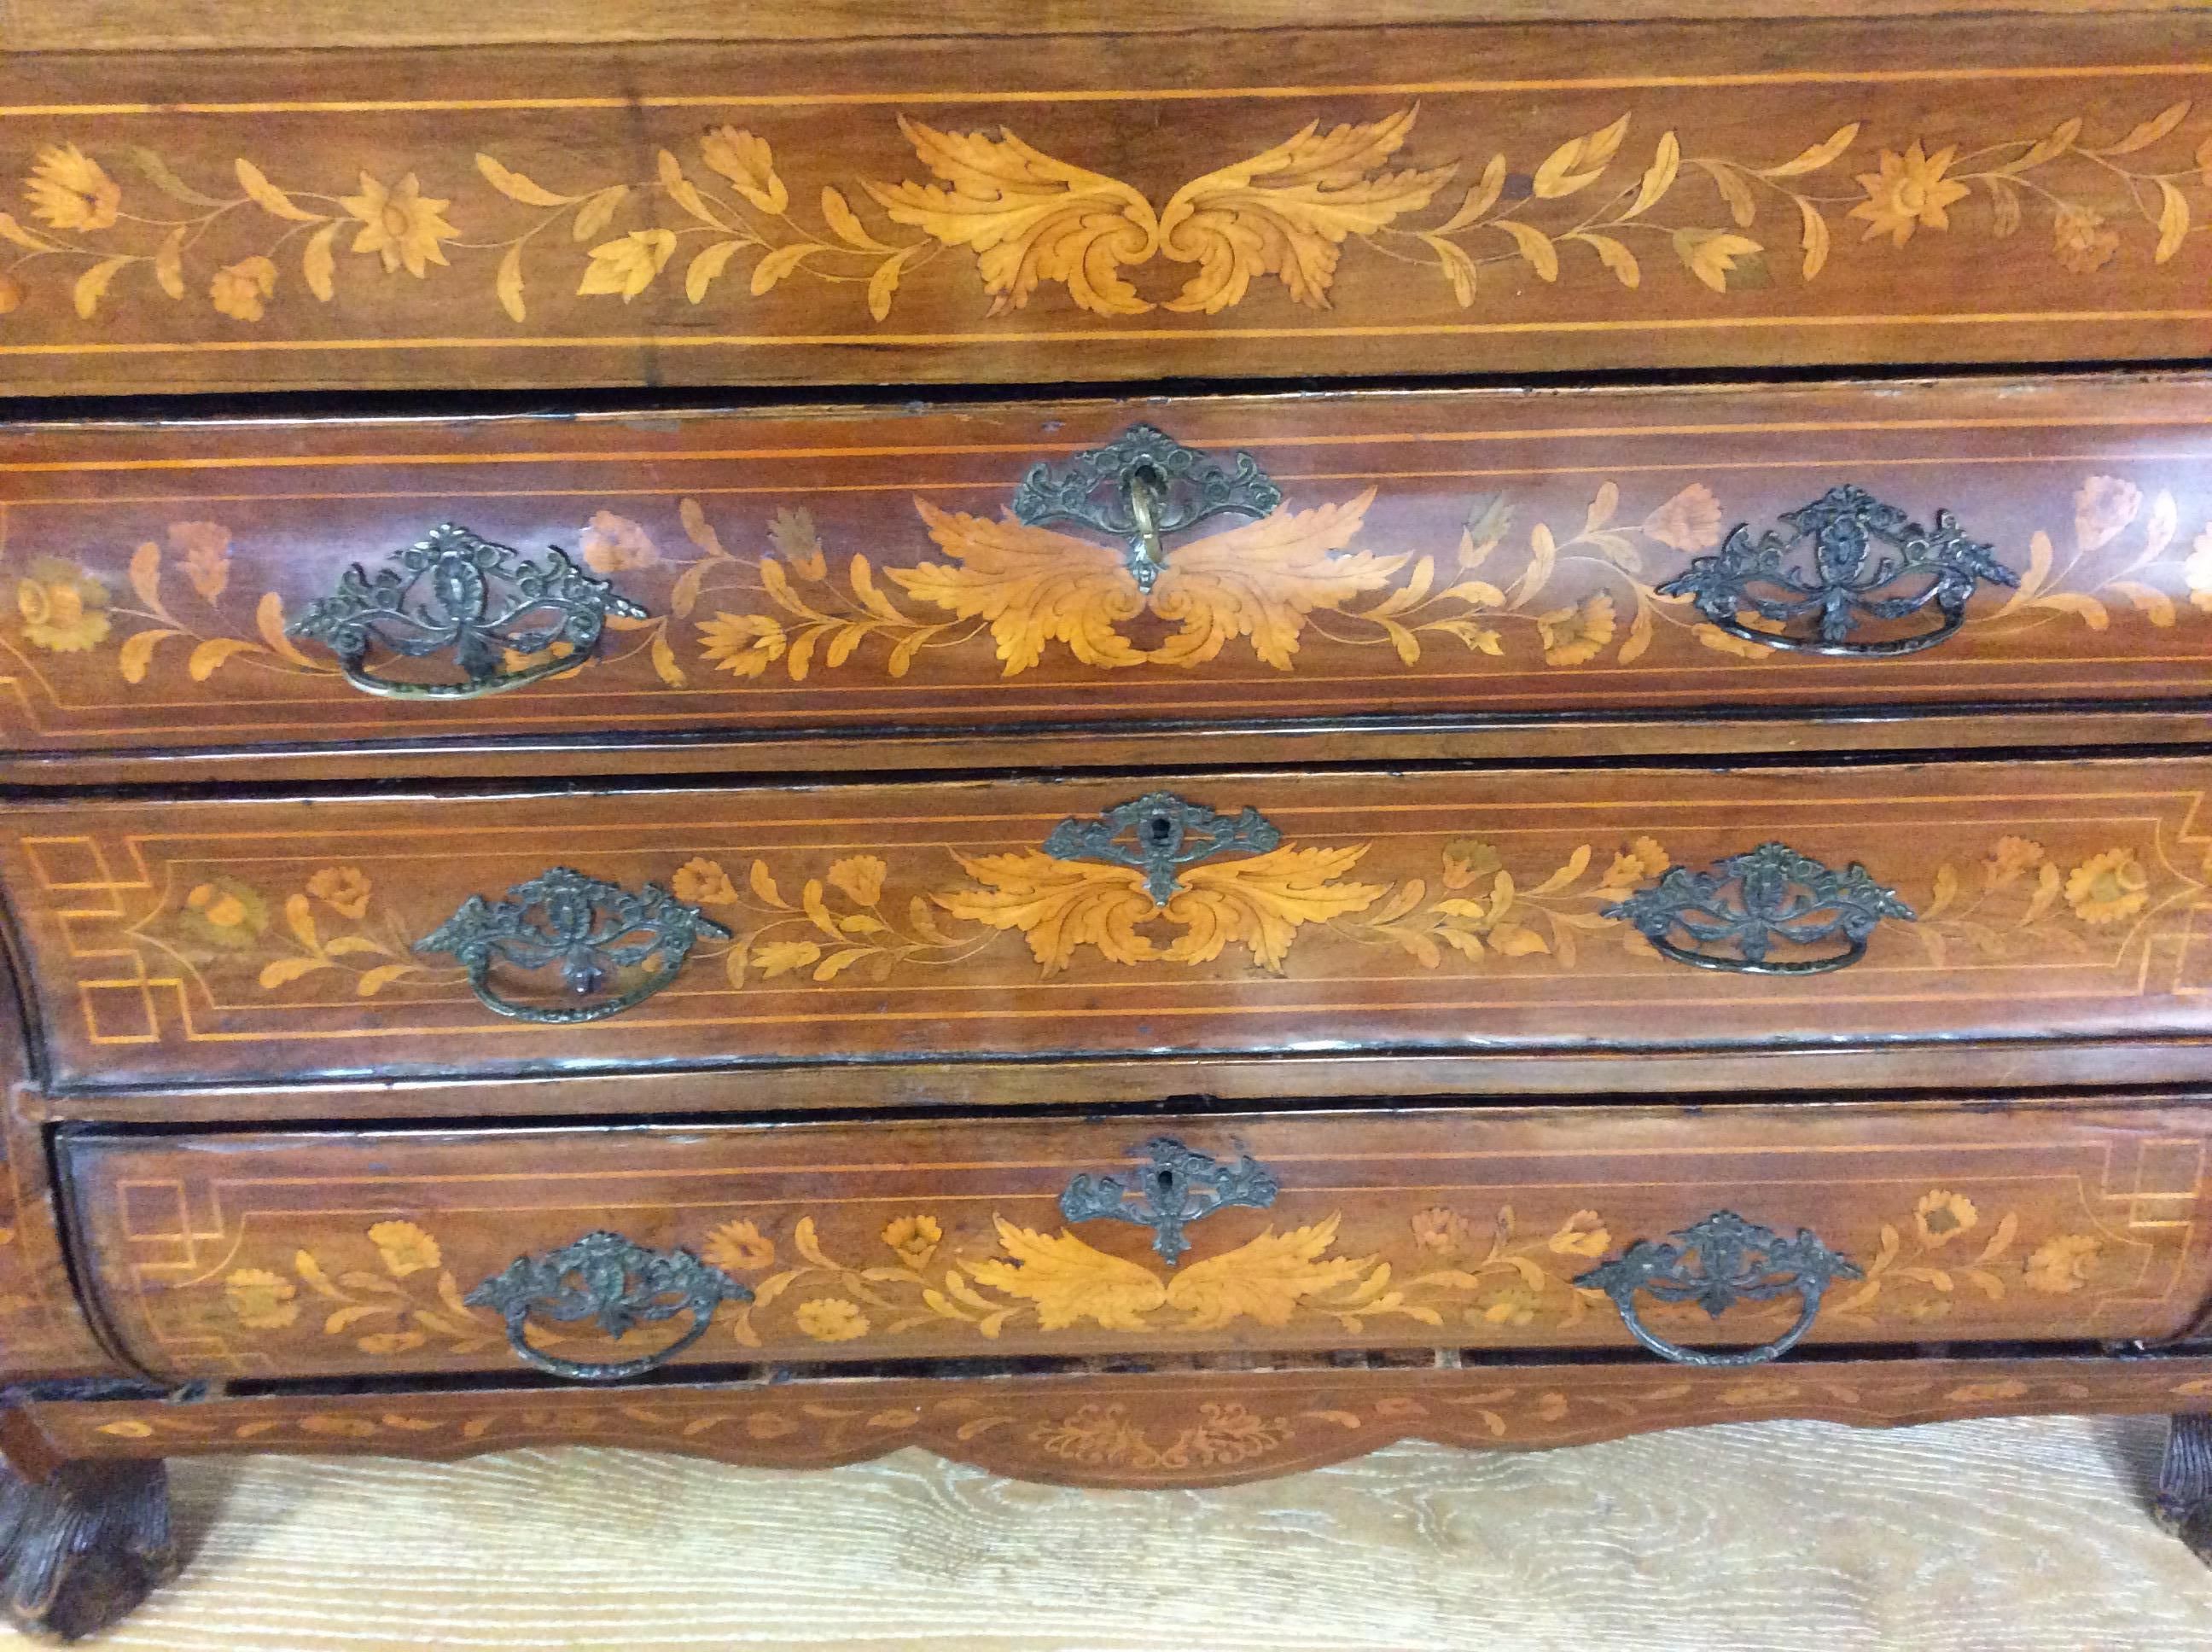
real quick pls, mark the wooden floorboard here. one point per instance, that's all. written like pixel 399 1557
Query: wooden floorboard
pixel 2019 1535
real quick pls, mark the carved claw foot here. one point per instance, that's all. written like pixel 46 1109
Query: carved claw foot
pixel 2184 1503
pixel 84 1546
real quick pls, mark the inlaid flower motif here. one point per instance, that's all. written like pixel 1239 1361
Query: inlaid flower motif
pixel 1572 636
pixel 225 912
pixel 738 1247
pixel 1581 1235
pixel 346 888
pixel 1512 1304
pixel 860 878
pixel 2108 887
pixel 2011 859
pixel 1689 522
pixel 2062 1264
pixel 261 1301
pixel 1441 1230
pixel 1911 192
pixel 63 608
pixel 391 1342
pixel 1466 859
pixel 1942 1216
pixel 831 1319
pixel 400 225
pixel 405 1247
pixel 2103 506
pixel 11 294
pixel 915 1238
pixel 205 547
pixel 702 883
pixel 628 264
pixel 68 190
pixel 1641 861
pixel 612 544
pixel 744 645
pixel 799 542
pixel 2084 242
pixel 238 289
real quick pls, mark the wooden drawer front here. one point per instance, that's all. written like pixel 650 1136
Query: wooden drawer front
pixel 1442 556
pixel 273 1254
pixel 1221 202
pixel 1478 913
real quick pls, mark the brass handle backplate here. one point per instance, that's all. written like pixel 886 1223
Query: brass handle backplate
pixel 587 926
pixel 482 601
pixel 1717 1263
pixel 1869 563
pixel 1734 914
pixel 604 1278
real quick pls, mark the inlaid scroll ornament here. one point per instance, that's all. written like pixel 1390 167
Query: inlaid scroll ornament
pixel 507 621
pixel 1860 549
pixel 1715 1264
pixel 617 1285
pixel 588 927
pixel 1177 1187
pixel 1746 904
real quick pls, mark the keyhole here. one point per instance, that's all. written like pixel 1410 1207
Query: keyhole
pixel 1162 829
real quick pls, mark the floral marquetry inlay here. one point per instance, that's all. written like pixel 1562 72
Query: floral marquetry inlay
pixel 1514 589
pixel 1444 1272
pixel 115 227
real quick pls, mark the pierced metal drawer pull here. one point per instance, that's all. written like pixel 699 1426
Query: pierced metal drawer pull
pixel 1141 487
pixel 1922 568
pixel 1720 1261
pixel 604 1278
pixel 1174 1190
pixel 589 927
pixel 475 597
pixel 1158 833
pixel 1749 901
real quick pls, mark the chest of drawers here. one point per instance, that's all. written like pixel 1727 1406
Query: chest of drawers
pixel 1147 754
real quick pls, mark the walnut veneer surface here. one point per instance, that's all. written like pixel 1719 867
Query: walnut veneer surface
pixel 1108 848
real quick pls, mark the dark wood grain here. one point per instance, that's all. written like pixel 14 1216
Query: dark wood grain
pixel 1448 571
pixel 288 1255
pixel 1703 273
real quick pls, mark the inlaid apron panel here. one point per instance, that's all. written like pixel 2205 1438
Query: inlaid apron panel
pixel 1585 914
pixel 1278 564
pixel 292 1255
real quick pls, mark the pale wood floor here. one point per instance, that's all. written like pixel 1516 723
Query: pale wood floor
pixel 2023 1535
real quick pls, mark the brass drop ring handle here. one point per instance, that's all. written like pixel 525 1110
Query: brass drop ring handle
pixel 605 1277
pixel 484 602
pixel 1720 1261
pixel 586 926
pixel 1734 914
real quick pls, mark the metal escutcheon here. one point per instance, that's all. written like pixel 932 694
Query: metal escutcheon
pixel 1717 1263
pixel 1176 1186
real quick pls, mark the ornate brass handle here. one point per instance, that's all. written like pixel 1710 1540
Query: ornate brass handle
pixel 587 926
pixel 456 591
pixel 1925 568
pixel 1749 901
pixel 1141 487
pixel 1720 1261
pixel 1175 1187
pixel 604 1277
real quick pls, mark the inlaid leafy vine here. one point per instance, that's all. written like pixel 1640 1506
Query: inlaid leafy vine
pixel 1030 219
